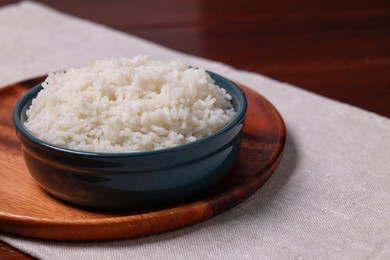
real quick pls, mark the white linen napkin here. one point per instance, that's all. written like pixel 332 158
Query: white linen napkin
pixel 329 199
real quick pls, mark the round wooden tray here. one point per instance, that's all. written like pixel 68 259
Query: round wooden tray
pixel 27 210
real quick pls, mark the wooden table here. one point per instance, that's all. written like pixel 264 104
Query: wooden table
pixel 338 49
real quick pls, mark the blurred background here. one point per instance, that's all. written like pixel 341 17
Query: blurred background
pixel 338 49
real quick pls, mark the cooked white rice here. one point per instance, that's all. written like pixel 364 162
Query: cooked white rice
pixel 124 105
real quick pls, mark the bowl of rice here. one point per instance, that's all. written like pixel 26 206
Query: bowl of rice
pixel 130 133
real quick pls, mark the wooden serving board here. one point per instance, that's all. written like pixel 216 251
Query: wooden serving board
pixel 27 210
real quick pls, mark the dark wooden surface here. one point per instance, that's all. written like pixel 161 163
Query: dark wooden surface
pixel 339 49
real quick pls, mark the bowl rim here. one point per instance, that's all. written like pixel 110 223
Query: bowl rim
pixel 32 93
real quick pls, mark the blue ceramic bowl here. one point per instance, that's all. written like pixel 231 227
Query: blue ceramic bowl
pixel 137 180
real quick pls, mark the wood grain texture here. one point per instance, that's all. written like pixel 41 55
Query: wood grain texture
pixel 339 49
pixel 27 210
pixel 7 252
